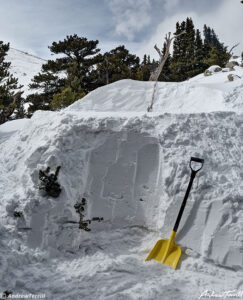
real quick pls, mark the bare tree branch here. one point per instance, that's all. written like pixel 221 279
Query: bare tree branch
pixel 168 39
pixel 155 74
pixel 233 48
pixel 157 49
pixel 150 107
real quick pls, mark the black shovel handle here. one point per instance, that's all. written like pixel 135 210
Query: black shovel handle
pixel 199 160
pixel 193 174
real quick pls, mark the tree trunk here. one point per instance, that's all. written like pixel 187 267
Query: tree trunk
pixel 155 75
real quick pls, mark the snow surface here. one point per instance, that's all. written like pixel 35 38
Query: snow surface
pixel 132 167
pixel 199 94
pixel 24 66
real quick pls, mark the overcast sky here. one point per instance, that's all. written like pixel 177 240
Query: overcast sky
pixel 32 25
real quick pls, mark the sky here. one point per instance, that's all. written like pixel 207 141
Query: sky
pixel 32 25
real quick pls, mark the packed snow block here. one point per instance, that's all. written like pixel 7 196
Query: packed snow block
pixel 125 167
pixel 133 169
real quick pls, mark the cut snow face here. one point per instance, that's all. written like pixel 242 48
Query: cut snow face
pixel 133 171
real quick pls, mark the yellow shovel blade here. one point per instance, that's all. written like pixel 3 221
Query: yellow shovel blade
pixel 166 252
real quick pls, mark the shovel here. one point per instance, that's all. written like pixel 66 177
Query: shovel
pixel 167 251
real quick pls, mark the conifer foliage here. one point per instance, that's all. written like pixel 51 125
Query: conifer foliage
pixel 192 55
pixel 49 182
pixel 68 75
pixel 116 65
pixel 80 209
pixel 8 83
pixel 215 52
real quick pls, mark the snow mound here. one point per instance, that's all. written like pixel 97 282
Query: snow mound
pixel 133 171
pixel 199 94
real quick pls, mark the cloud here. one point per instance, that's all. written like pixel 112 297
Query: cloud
pixel 169 5
pixel 226 20
pixel 130 16
pixel 33 25
pixel 168 25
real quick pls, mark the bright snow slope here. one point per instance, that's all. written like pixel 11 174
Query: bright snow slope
pixel 24 66
pixel 199 94
pixel 132 167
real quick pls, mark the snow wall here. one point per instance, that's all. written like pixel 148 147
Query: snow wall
pixel 132 170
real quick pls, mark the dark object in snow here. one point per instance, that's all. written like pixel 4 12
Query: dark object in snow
pixel 49 182
pixel 6 294
pixel 17 214
pixel 83 224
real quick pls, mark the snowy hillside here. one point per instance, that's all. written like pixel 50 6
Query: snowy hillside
pixel 132 168
pixel 24 66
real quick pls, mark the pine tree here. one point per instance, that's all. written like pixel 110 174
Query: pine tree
pixel 199 64
pixel 65 98
pixel 191 56
pixel 20 111
pixel 47 84
pixel 145 61
pixel 116 65
pixel 8 83
pixel 166 72
pixel 72 91
pixel 213 58
pixel 178 61
pixel 148 61
pixel 189 41
pixel 81 51
pixel 74 70
pixel 214 51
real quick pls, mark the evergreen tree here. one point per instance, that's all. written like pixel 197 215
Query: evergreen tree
pixel 189 45
pixel 143 73
pixel 20 111
pixel 65 98
pixel 72 91
pixel 148 61
pixel 191 56
pixel 215 53
pixel 47 84
pixel 116 65
pixel 178 61
pixel 146 67
pixel 213 57
pixel 166 72
pixel 145 61
pixel 8 83
pixel 199 64
pixel 73 70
